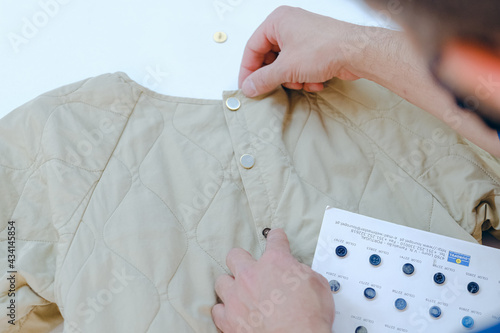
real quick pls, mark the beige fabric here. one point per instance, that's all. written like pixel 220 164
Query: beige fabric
pixel 126 202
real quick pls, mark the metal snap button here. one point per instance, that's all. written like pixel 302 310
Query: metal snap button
pixel 247 161
pixel 233 103
pixel 265 232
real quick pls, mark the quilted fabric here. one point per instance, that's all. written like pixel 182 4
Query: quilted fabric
pixel 126 201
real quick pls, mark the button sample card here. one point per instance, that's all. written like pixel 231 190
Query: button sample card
pixel 386 277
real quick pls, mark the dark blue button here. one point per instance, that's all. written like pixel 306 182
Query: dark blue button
pixel 473 287
pixel 435 312
pixel 408 269
pixel 467 322
pixel 400 304
pixel 375 259
pixel 370 293
pixel 439 278
pixel 334 285
pixel 341 251
pixel 361 329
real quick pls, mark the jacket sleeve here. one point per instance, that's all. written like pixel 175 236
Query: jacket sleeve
pixel 53 151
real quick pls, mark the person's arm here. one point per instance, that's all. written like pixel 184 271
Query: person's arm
pixel 301 50
pixel 274 294
pixel 390 60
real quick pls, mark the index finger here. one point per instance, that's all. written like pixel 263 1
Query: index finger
pixel 260 43
pixel 238 260
pixel 277 241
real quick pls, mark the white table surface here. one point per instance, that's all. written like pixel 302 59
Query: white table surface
pixel 166 46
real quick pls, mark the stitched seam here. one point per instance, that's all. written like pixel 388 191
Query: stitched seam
pixel 410 176
pixel 215 194
pixel 111 154
pixel 403 127
pixel 84 263
pixel 432 212
pixel 84 82
pixel 180 260
pixel 341 92
pixel 45 126
pixel 24 318
pixel 381 150
pixel 348 124
pixel 142 274
pixel 256 168
pixel 56 273
pixel 172 99
pixel 31 175
pixel 366 186
pixel 70 164
pixel 39 141
pixel 253 141
pixel 74 233
pixel 302 130
pixel 173 214
pixel 96 183
pixel 97 107
pixel 158 196
pixel 462 157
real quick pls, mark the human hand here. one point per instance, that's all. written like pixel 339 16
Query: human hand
pixel 274 294
pixel 298 49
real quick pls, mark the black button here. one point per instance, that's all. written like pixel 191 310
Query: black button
pixel 334 285
pixel 375 259
pixel 473 287
pixel 435 311
pixel 265 232
pixel 370 293
pixel 400 304
pixel 439 278
pixel 408 269
pixel 341 251
pixel 361 329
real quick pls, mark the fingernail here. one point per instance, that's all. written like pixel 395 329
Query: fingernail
pixel 248 88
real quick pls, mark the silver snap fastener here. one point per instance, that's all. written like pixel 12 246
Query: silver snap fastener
pixel 233 103
pixel 247 161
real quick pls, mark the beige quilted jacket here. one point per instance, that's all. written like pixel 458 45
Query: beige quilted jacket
pixel 125 202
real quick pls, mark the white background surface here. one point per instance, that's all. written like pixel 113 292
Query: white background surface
pixel 166 46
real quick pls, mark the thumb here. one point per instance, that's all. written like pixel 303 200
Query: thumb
pixel 263 80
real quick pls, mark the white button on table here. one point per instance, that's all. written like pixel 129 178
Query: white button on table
pixel 247 161
pixel 220 37
pixel 233 103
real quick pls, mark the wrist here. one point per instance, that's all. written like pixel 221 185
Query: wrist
pixel 369 51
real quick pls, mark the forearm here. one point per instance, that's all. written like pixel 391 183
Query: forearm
pixel 388 58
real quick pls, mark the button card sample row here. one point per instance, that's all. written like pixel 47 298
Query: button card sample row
pixel 390 278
